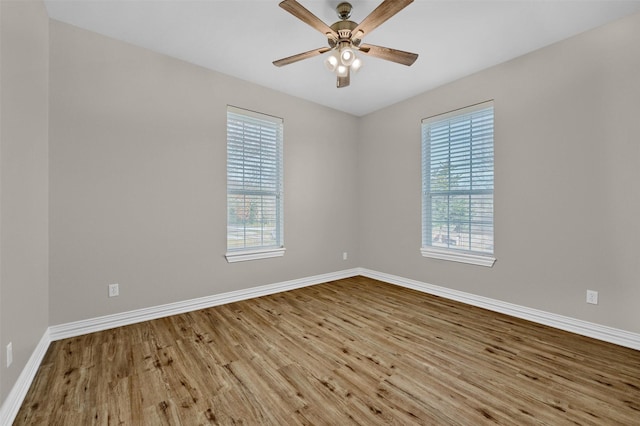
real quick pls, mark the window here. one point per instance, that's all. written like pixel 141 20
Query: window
pixel 254 185
pixel 457 185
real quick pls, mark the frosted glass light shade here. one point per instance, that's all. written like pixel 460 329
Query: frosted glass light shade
pixel 331 62
pixel 355 66
pixel 347 56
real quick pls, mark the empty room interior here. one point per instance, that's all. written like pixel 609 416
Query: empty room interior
pixel 203 221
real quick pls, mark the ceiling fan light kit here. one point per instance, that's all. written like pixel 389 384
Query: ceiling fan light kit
pixel 345 38
pixel 343 61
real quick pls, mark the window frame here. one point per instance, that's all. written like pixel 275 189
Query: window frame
pixel 275 124
pixel 447 253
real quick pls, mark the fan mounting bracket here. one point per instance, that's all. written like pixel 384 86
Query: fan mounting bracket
pixel 344 10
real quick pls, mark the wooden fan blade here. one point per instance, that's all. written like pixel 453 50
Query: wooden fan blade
pixel 388 54
pixel 300 12
pixel 300 56
pixel 384 11
pixel 344 81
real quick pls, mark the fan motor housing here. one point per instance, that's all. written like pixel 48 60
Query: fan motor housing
pixel 344 30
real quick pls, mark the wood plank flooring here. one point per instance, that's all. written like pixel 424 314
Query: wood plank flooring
pixel 354 351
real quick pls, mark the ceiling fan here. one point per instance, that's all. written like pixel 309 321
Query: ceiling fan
pixel 345 38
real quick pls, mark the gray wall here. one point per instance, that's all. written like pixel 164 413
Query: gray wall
pixel 24 252
pixel 567 171
pixel 138 180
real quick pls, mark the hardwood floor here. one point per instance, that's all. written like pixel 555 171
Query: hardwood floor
pixel 354 351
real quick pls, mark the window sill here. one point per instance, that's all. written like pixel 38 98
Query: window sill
pixel 456 256
pixel 241 256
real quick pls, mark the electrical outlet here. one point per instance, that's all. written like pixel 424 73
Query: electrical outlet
pixel 344 256
pixel 114 290
pixel 592 297
pixel 9 354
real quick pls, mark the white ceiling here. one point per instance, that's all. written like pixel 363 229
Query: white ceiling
pixel 242 37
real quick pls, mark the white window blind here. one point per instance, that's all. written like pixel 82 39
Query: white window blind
pixel 254 181
pixel 457 181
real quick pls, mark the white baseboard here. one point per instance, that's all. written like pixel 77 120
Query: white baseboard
pixel 12 404
pixel 77 328
pixel 584 328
